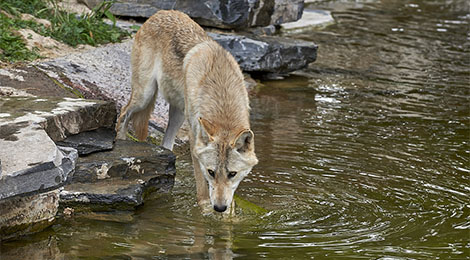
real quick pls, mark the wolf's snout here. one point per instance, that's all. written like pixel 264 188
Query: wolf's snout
pixel 220 208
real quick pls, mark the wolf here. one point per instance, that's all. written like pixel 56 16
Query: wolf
pixel 204 85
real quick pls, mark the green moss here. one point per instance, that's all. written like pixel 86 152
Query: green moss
pixel 12 46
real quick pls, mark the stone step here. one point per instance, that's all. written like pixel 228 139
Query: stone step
pixel 119 179
pixel 30 160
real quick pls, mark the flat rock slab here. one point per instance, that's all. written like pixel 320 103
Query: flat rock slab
pixel 120 178
pixel 101 139
pixel 215 13
pixel 29 80
pixel 59 117
pixel 112 194
pixel 268 53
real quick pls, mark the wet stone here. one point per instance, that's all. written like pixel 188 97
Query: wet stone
pixel 311 19
pixel 121 178
pixel 101 139
pixel 59 117
pixel 268 53
pixel 33 168
pixel 22 215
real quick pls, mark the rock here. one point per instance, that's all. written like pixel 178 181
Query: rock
pixel 311 19
pixel 234 14
pixel 59 117
pixel 30 17
pixel 27 214
pixel 101 139
pixel 268 53
pixel 28 167
pixel 46 46
pixel 28 80
pixel 33 167
pixel 37 176
pixel 120 178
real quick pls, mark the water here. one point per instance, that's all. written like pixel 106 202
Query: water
pixel 366 155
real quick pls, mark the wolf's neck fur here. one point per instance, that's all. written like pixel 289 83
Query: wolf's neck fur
pixel 221 86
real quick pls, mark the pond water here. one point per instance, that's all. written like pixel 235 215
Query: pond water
pixel 365 154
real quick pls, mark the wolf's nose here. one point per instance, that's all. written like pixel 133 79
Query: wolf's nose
pixel 220 208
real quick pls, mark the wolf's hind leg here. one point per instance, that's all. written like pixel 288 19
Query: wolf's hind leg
pixel 175 120
pixel 138 110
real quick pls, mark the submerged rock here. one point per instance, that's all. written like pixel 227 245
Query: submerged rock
pixel 234 14
pixel 311 19
pixel 120 178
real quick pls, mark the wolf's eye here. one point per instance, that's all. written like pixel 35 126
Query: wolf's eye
pixel 231 174
pixel 211 173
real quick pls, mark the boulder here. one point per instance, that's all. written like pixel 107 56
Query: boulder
pixel 121 178
pixel 43 172
pixel 233 14
pixel 268 53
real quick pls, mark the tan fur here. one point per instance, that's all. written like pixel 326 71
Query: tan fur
pixel 197 77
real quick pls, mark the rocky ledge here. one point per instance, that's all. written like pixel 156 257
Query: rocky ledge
pixel 233 14
pixel 60 152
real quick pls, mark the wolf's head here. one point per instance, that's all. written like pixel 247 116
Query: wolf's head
pixel 225 158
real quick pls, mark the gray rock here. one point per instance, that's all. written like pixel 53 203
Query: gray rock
pixel 268 53
pixel 120 178
pixel 215 13
pixel 22 215
pixel 59 117
pixel 33 167
pixel 101 139
pixel 40 176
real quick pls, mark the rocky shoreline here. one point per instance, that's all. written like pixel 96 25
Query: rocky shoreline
pixel 57 149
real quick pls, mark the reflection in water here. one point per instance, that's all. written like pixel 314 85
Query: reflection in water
pixel 366 156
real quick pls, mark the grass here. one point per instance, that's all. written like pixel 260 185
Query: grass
pixel 68 28
pixel 12 46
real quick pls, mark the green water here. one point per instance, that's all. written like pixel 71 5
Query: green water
pixel 364 156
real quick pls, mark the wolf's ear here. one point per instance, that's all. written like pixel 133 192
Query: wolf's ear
pixel 208 129
pixel 244 141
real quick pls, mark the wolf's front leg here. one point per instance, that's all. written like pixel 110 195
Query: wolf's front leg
pixel 201 185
